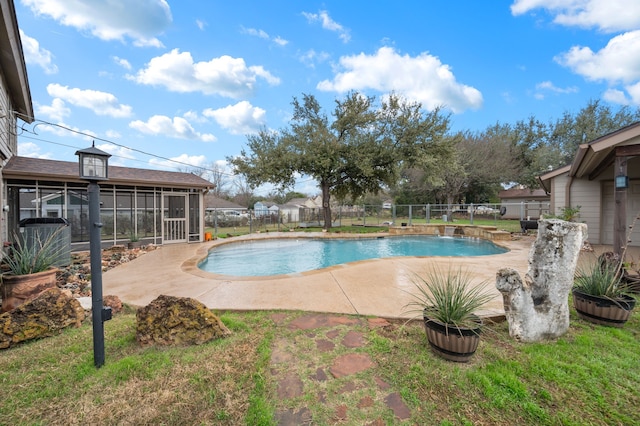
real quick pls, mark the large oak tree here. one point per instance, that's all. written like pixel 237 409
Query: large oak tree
pixel 361 150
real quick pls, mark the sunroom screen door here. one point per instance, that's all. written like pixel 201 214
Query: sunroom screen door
pixel 174 219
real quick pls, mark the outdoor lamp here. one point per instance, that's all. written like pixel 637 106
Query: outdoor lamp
pixel 93 163
pixel 622 182
pixel 93 167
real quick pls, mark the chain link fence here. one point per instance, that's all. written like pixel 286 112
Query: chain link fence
pixel 505 216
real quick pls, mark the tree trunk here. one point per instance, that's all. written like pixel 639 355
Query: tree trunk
pixel 326 206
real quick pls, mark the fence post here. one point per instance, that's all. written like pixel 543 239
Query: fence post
pixel 428 213
pixel 521 210
pixel 364 215
pixel 410 213
pixel 471 210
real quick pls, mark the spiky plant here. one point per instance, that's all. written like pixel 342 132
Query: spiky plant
pixel 448 296
pixel 32 255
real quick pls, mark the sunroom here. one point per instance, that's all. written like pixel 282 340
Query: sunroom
pixel 156 207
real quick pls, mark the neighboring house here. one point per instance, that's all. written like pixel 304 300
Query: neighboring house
pixel 589 182
pixel 220 208
pixel 159 207
pixel 522 203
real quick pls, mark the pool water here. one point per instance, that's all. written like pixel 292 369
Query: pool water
pixel 287 256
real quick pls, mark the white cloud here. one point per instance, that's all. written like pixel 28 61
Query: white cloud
pixel 120 152
pixel 194 117
pixel 310 58
pixel 34 54
pixel 239 119
pixel 122 62
pixel 113 134
pixel 422 78
pixel 615 96
pixel 618 61
pixel 328 24
pixel 183 161
pixel 201 24
pixel 606 15
pixel 280 41
pixel 140 20
pixel 66 130
pixel 101 103
pixel 547 86
pixel 177 127
pixel 31 150
pixel 264 35
pixel 634 92
pixel 57 111
pixel 224 76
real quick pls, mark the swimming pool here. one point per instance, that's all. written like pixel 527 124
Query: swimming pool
pixel 287 256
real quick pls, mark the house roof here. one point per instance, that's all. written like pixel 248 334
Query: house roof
pixel 67 171
pixel 598 154
pixel 594 157
pixel 12 62
pixel 213 202
pixel 522 193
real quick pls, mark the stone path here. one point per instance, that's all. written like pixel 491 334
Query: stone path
pixel 322 363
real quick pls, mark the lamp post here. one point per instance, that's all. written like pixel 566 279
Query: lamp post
pixel 93 168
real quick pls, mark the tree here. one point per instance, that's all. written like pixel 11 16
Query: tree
pixel 360 151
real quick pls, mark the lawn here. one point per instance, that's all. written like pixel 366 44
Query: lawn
pixel 589 376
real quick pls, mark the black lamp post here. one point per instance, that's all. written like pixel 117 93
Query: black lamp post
pixel 93 167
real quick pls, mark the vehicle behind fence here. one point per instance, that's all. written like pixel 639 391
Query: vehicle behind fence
pixel 505 216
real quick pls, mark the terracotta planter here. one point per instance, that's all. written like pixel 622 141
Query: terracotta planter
pixel 603 310
pixel 18 289
pixel 453 343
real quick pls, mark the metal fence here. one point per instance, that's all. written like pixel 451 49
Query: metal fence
pixel 506 216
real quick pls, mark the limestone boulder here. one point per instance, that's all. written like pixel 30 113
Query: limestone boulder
pixel 170 320
pixel 537 307
pixel 46 315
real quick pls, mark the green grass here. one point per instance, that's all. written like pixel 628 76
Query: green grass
pixel 588 376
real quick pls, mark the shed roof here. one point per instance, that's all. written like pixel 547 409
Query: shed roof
pixel 67 171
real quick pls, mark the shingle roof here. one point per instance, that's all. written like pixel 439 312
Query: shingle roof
pixel 67 171
pixel 213 202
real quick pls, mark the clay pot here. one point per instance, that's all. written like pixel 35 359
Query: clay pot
pixel 18 289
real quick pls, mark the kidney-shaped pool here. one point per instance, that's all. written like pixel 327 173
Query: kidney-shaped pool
pixel 288 255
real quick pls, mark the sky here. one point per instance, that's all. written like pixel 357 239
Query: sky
pixel 176 84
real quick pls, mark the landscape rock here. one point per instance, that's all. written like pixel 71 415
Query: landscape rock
pixel 538 308
pixel 170 320
pixel 47 314
pixel 113 302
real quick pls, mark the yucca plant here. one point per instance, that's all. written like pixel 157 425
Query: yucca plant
pixel 30 255
pixel 449 297
pixel 600 279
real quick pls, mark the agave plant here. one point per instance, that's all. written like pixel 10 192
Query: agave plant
pixel 31 255
pixel 449 297
pixel 600 279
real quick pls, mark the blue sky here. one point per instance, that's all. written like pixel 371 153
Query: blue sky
pixel 156 80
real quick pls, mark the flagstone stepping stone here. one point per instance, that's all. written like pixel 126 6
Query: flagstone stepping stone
pixel 349 364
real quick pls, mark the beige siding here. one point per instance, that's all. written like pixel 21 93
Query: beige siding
pixel 558 186
pixel 608 205
pixel 586 195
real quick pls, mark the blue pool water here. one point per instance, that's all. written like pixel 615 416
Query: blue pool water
pixel 286 256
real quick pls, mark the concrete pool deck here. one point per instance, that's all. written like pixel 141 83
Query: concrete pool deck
pixel 378 287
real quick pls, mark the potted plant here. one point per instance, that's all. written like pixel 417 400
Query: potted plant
pixel 29 268
pixel 447 302
pixel 134 241
pixel 600 294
